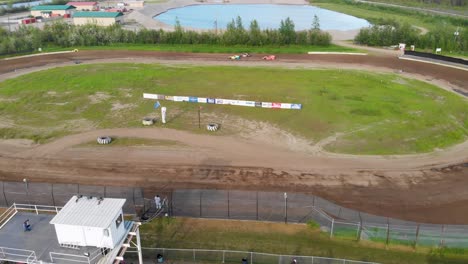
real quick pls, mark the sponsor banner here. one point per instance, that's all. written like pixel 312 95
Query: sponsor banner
pixel 231 102
pixel 204 100
pixel 246 103
pixel 285 106
pixel 150 96
pixel 181 98
pixel 266 104
pixel 275 105
pixel 296 106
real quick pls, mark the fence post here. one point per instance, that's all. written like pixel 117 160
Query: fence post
pixel 331 229
pixel 312 260
pixel 359 231
pixel 257 203
pixel 35 207
pixel 442 236
pixel 4 195
pixel 388 232
pixel 251 257
pixel 52 193
pixel 417 236
pixel 193 254
pixel 229 213
pixel 223 255
pixel 201 203
pixel 359 228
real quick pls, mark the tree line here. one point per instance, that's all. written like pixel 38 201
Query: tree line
pixel 446 37
pixel 28 38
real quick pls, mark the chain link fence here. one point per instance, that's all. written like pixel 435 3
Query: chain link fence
pixel 174 255
pixel 57 194
pixel 302 208
pixel 252 205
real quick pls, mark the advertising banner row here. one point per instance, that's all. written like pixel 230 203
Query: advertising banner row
pixel 204 100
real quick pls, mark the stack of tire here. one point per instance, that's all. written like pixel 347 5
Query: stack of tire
pixel 104 140
pixel 147 121
pixel 212 127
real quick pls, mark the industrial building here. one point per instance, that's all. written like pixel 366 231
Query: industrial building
pixel 85 6
pixel 52 10
pixel 98 18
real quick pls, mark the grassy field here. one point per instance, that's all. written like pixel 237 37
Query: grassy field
pixel 375 14
pixel 277 238
pixel 376 113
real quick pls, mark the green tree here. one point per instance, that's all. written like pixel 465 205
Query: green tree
pixel 287 32
pixel 255 34
pixel 316 23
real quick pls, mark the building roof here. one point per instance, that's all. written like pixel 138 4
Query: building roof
pixel 89 212
pixel 97 14
pixel 82 3
pixel 51 7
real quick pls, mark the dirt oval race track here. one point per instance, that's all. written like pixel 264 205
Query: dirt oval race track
pixel 426 188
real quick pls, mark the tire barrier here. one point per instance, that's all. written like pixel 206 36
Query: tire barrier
pixel 104 140
pixel 147 121
pixel 212 127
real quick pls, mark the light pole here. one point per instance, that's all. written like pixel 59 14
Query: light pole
pixel 285 208
pixel 27 189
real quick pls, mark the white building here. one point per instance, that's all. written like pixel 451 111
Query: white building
pixel 90 221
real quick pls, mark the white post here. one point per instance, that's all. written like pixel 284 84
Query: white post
pixel 140 256
pixel 331 230
pixel 35 207
pixel 163 115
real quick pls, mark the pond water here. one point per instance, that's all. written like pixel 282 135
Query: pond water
pixel 267 16
pixel 33 3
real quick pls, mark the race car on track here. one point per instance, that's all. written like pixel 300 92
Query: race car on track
pixel 269 57
pixel 245 55
pixel 234 57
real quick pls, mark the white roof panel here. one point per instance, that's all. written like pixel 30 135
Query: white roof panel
pixel 90 212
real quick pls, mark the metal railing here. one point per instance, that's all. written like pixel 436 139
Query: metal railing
pixel 232 256
pixel 18 255
pixel 75 258
pixel 7 215
pixel 37 208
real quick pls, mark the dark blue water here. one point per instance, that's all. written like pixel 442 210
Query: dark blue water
pixel 267 16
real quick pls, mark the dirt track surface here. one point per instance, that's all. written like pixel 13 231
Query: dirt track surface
pixel 428 188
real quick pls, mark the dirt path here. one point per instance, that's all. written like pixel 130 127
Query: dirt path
pixel 426 187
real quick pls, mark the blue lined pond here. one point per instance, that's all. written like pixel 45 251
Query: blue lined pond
pixel 267 16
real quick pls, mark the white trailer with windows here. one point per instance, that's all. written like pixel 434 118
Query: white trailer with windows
pixel 90 221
